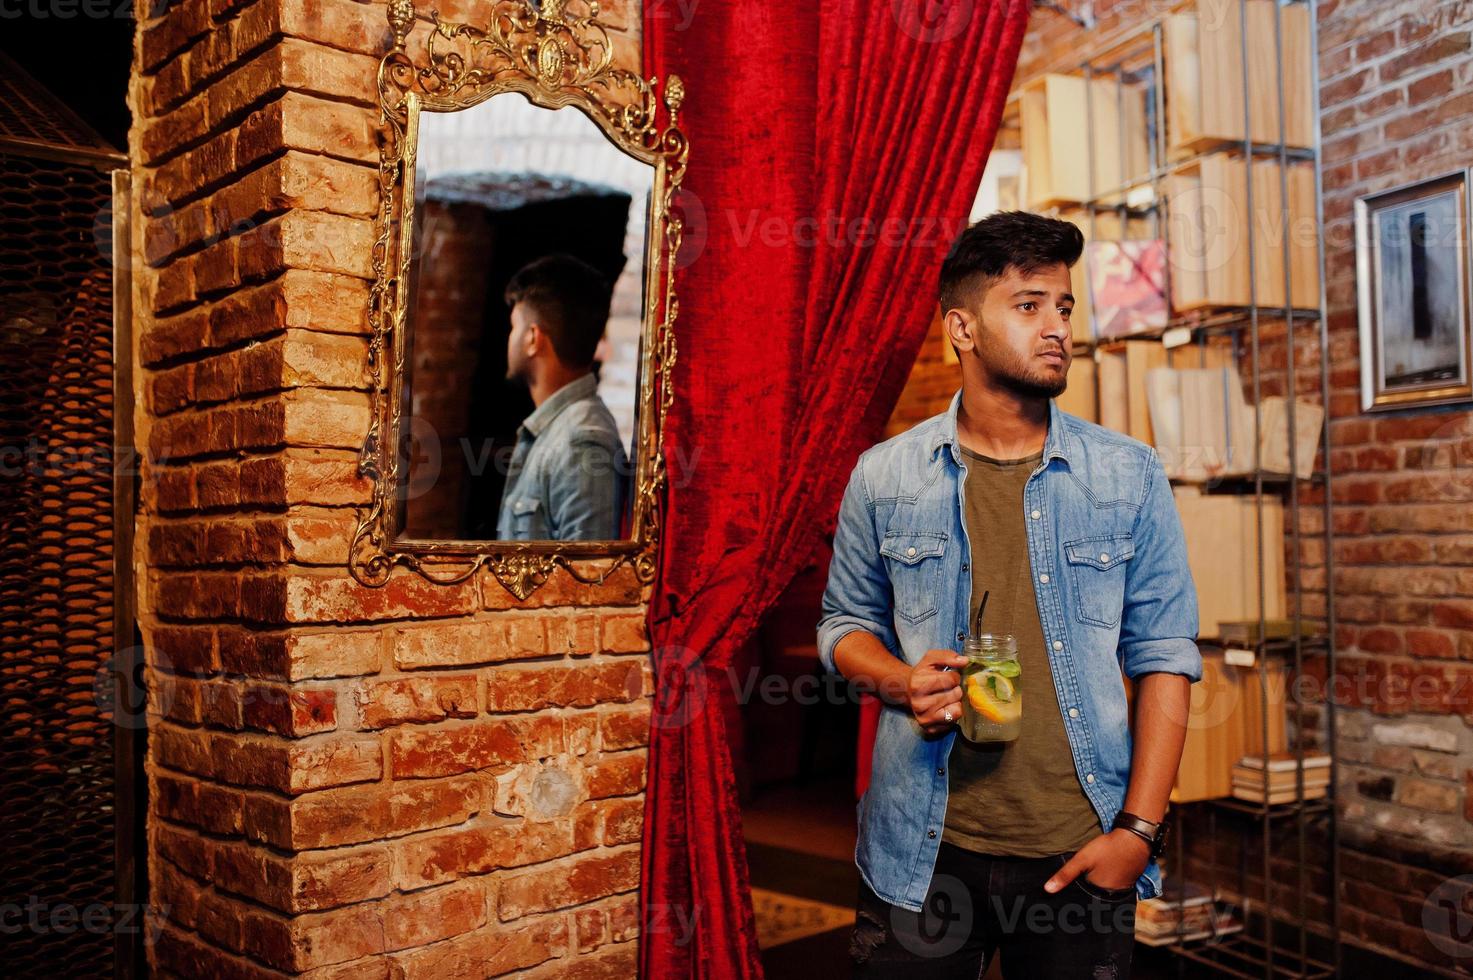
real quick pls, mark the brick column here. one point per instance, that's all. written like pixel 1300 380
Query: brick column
pixel 416 780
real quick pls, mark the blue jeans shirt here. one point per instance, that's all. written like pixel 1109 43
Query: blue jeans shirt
pixel 567 480
pixel 1102 524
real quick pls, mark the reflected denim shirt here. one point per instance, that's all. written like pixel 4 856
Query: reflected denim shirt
pixel 568 473
pixel 1101 522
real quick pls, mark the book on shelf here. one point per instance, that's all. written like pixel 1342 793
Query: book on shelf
pixel 1164 920
pixel 1287 762
pixel 1254 793
pixel 1245 631
pixel 1253 779
pixel 1274 423
pixel 1205 430
pixel 1225 926
pixel 1168 909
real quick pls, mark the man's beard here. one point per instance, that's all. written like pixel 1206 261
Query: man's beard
pixel 1015 376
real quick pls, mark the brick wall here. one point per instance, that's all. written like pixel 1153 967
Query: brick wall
pixel 1394 102
pixel 1395 105
pixel 411 781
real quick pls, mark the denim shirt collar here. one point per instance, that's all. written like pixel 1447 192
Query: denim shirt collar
pixel 573 391
pixel 1055 444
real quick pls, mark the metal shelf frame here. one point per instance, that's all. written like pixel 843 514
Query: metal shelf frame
pixel 1134 55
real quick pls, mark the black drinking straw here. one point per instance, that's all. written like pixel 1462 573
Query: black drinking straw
pixel 982 608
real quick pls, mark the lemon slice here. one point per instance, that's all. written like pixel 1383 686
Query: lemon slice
pixel 982 700
pixel 1003 687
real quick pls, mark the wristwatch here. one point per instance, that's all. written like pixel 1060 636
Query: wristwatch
pixel 1153 834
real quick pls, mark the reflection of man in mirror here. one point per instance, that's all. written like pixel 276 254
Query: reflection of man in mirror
pixel 566 477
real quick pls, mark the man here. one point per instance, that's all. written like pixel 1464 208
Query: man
pixel 565 481
pixel 1071 531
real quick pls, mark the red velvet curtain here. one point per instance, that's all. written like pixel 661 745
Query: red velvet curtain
pixel 836 147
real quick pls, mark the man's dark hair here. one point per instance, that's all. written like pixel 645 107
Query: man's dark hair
pixel 571 300
pixel 1009 239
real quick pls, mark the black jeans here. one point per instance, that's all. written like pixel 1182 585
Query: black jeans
pixel 978 905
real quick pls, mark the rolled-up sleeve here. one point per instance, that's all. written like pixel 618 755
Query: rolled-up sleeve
pixel 1158 626
pixel 858 593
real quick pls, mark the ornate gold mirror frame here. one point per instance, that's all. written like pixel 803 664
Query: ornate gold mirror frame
pixel 555 58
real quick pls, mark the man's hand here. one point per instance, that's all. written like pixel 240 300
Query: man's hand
pixel 932 690
pixel 1112 860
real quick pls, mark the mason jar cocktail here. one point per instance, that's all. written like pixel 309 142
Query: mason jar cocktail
pixel 992 701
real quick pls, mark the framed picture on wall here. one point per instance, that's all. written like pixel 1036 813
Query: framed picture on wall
pixel 1412 276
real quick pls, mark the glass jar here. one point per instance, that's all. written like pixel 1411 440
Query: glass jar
pixel 992 699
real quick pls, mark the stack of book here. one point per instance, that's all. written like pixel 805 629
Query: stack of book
pixel 1282 775
pixel 1244 633
pixel 1160 921
pixel 1203 429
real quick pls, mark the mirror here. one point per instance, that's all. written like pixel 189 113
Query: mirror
pixel 523 327
pixel 523 306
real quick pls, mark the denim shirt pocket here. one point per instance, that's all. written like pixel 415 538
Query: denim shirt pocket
pixel 915 563
pixel 1097 565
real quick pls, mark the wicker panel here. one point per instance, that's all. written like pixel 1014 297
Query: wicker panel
pixel 56 629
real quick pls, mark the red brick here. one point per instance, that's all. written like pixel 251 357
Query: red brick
pixel 187 956
pixel 337 598
pixel 1453 613
pixel 551 685
pixel 591 928
pixel 625 634
pixel 303 942
pixel 357 814
pixel 575 635
pixel 187 750
pixel 417 699
pixel 1430 643
pixel 439 913
pixel 623 821
pixel 617 774
pixel 498 842
pixel 294 767
pixel 448 750
pixel 1421 55
pixel 625 728
pixel 507 637
pixel 186 649
pixel 490 951
pixel 572 881
pixel 290 711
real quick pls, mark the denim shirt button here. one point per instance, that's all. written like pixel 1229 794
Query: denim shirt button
pixel 1036 515
pixel 941 771
pixel 966 567
pixel 960 636
pixel 1090 778
pixel 1073 712
pixel 1058 644
pixel 931 834
pixel 1043 578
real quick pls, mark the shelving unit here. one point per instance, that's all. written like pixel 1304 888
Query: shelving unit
pixel 1253 139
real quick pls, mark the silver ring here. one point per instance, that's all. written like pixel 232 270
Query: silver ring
pixel 946 714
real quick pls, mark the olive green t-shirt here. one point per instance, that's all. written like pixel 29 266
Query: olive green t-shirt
pixel 1019 798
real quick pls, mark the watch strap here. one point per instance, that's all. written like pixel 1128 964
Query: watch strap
pixel 1152 833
